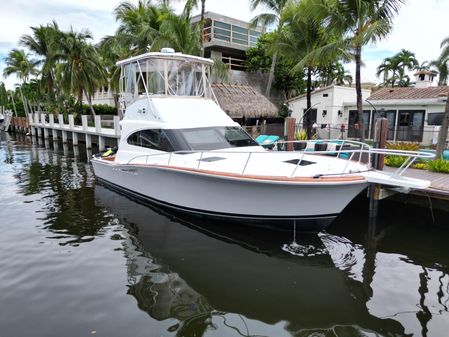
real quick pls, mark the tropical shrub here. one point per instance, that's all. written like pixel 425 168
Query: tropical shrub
pixel 439 165
pixel 301 135
pixel 420 166
pixel 407 146
pixel 397 161
pixel 394 161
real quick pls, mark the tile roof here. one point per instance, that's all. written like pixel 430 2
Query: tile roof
pixel 409 93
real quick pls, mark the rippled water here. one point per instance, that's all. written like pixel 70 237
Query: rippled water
pixel 78 259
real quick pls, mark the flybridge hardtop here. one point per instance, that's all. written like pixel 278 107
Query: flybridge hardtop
pixel 179 149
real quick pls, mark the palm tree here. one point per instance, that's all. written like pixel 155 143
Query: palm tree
pixel 441 67
pixel 178 33
pixel 361 22
pixel 384 68
pixel 139 25
pixel 276 7
pixel 299 36
pixel 18 62
pixel 406 60
pixel 43 43
pixel 442 136
pixel 81 69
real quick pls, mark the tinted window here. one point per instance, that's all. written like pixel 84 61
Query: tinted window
pixel 435 118
pixel 152 139
pixel 216 138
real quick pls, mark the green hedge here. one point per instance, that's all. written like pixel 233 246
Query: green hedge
pixel 100 109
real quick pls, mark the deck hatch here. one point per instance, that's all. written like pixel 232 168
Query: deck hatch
pixel 302 163
pixel 211 159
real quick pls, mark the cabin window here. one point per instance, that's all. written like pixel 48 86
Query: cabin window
pixel 216 138
pixel 152 139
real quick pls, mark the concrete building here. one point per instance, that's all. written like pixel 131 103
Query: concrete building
pixel 227 39
pixel 328 108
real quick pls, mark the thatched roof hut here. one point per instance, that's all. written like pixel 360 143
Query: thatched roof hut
pixel 239 100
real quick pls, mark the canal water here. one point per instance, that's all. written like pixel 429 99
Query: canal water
pixel 77 259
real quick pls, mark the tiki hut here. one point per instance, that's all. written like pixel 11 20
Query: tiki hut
pixel 242 101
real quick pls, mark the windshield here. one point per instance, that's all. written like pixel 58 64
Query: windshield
pixel 215 138
pixel 196 139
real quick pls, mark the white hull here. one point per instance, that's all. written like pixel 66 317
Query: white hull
pixel 313 204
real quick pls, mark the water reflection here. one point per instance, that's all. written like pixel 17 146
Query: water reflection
pixel 64 183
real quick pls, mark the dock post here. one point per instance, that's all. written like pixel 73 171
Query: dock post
pixel 380 141
pixel 88 141
pixel 30 122
pixel 71 122
pixel 291 126
pixel 85 126
pixel 74 138
pixel 36 124
pixel 64 136
pixel 84 123
pixel 44 129
pixel 54 133
pixel 98 124
pixel 61 120
pixel 101 145
pixel 116 125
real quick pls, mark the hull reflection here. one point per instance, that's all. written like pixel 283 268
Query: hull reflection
pixel 213 269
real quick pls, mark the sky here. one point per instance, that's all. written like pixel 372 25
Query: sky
pixel 420 26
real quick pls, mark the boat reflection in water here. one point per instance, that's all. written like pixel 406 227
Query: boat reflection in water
pixel 210 276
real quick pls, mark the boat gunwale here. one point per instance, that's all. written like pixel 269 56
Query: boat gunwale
pixel 341 179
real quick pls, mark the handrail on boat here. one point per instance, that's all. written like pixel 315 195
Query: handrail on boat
pixel 350 152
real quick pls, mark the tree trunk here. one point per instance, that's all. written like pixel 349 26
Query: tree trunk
pixel 358 90
pixel 443 132
pixel 271 75
pixel 25 106
pixel 203 10
pixel 89 101
pixel 309 104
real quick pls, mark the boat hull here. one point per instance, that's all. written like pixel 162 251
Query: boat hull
pixel 312 206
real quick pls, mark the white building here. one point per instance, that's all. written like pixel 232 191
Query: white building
pixel 328 108
pixel 413 113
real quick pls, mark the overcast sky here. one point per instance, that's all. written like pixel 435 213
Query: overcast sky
pixel 420 26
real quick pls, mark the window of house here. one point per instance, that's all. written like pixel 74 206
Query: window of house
pixel 325 95
pixel 421 77
pixel 404 119
pixel 435 118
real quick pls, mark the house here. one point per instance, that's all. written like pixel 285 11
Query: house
pixel 414 113
pixel 328 108
pixel 227 39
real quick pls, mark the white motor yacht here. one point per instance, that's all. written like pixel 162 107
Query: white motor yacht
pixel 179 149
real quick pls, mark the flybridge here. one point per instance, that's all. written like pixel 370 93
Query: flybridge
pixel 164 73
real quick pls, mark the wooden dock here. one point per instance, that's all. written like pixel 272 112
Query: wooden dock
pixel 44 125
pixel 439 187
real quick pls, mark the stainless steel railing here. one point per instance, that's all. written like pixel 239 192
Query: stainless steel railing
pixel 353 149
